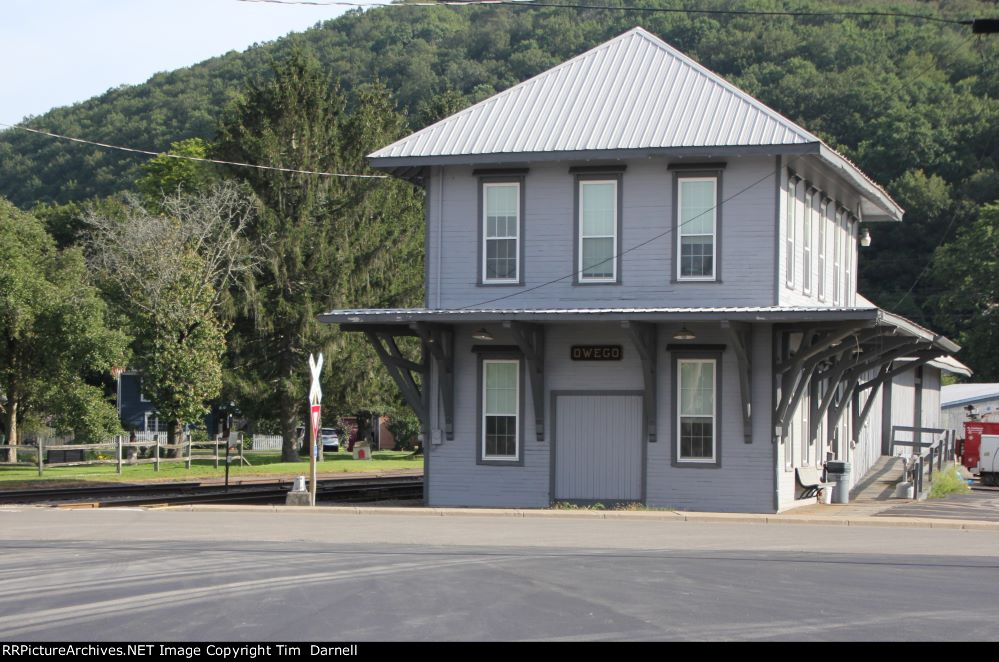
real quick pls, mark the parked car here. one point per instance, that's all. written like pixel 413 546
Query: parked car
pixel 330 439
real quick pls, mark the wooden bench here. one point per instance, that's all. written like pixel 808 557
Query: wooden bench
pixel 810 482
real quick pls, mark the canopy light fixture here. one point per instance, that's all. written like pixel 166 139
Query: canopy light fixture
pixel 865 239
pixel 482 334
pixel 684 334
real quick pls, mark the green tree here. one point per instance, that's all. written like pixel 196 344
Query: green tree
pixel 165 175
pixel 169 274
pixel 329 241
pixel 969 266
pixel 53 334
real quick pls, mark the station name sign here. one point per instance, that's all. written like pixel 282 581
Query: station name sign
pixel 596 352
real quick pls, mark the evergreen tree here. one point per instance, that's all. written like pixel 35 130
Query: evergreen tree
pixel 328 241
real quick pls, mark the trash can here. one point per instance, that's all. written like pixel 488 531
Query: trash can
pixel 839 473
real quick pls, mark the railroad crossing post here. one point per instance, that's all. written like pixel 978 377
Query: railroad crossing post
pixel 315 405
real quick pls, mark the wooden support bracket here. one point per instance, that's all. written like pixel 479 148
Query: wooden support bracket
pixel 402 372
pixel 741 336
pixel 530 338
pixel 438 343
pixel 643 336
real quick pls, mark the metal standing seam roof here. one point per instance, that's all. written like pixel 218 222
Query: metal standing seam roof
pixel 634 92
pixel 953 395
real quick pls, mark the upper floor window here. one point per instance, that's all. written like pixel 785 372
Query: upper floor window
pixel 598 231
pixel 848 246
pixel 790 229
pixel 837 255
pixel 825 218
pixel 501 221
pixel 697 227
pixel 811 196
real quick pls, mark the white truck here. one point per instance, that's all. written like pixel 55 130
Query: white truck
pixel 988 460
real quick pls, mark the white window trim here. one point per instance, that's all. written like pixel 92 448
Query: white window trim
pixel 680 234
pixel 579 240
pixel 790 230
pixel 151 415
pixel 680 415
pixel 485 381
pixel 142 395
pixel 807 222
pixel 486 238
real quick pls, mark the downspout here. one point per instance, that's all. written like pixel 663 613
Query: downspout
pixel 440 232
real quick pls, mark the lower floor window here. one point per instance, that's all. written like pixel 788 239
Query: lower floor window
pixel 696 409
pixel 500 410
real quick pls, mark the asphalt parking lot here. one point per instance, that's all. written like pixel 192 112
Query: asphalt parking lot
pixel 981 504
pixel 325 575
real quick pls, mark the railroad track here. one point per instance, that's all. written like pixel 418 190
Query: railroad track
pixel 341 490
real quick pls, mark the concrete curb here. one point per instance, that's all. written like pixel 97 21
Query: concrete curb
pixel 652 515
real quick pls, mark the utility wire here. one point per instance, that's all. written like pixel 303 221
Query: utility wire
pixel 146 152
pixel 623 8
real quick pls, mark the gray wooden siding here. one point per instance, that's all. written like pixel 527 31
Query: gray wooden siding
pixel 868 450
pixel 796 296
pixel 746 240
pixel 931 397
pixel 598 447
pixel 903 405
pixel 744 481
pixel 455 478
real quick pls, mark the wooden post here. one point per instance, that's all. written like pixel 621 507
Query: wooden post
pixel 932 451
pixel 190 448
pixel 41 456
pixel 119 439
pixel 241 460
pixel 156 450
pixel 217 439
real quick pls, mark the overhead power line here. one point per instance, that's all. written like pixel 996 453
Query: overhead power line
pixel 147 152
pixel 621 8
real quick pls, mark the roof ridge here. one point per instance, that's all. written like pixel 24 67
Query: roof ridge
pixel 753 101
pixel 495 98
pixel 799 132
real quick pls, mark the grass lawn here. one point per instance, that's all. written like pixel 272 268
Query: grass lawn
pixel 263 464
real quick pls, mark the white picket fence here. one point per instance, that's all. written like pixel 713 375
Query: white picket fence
pixel 267 442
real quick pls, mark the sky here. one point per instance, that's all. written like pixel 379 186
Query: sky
pixel 57 52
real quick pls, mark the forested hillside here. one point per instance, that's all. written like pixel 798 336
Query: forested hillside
pixel 913 102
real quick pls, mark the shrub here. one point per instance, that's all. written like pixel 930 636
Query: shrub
pixel 948 481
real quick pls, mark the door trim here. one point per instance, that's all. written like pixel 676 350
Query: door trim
pixel 554 432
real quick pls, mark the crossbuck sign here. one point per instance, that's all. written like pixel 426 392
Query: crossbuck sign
pixel 315 394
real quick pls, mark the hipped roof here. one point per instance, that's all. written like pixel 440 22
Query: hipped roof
pixel 634 95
